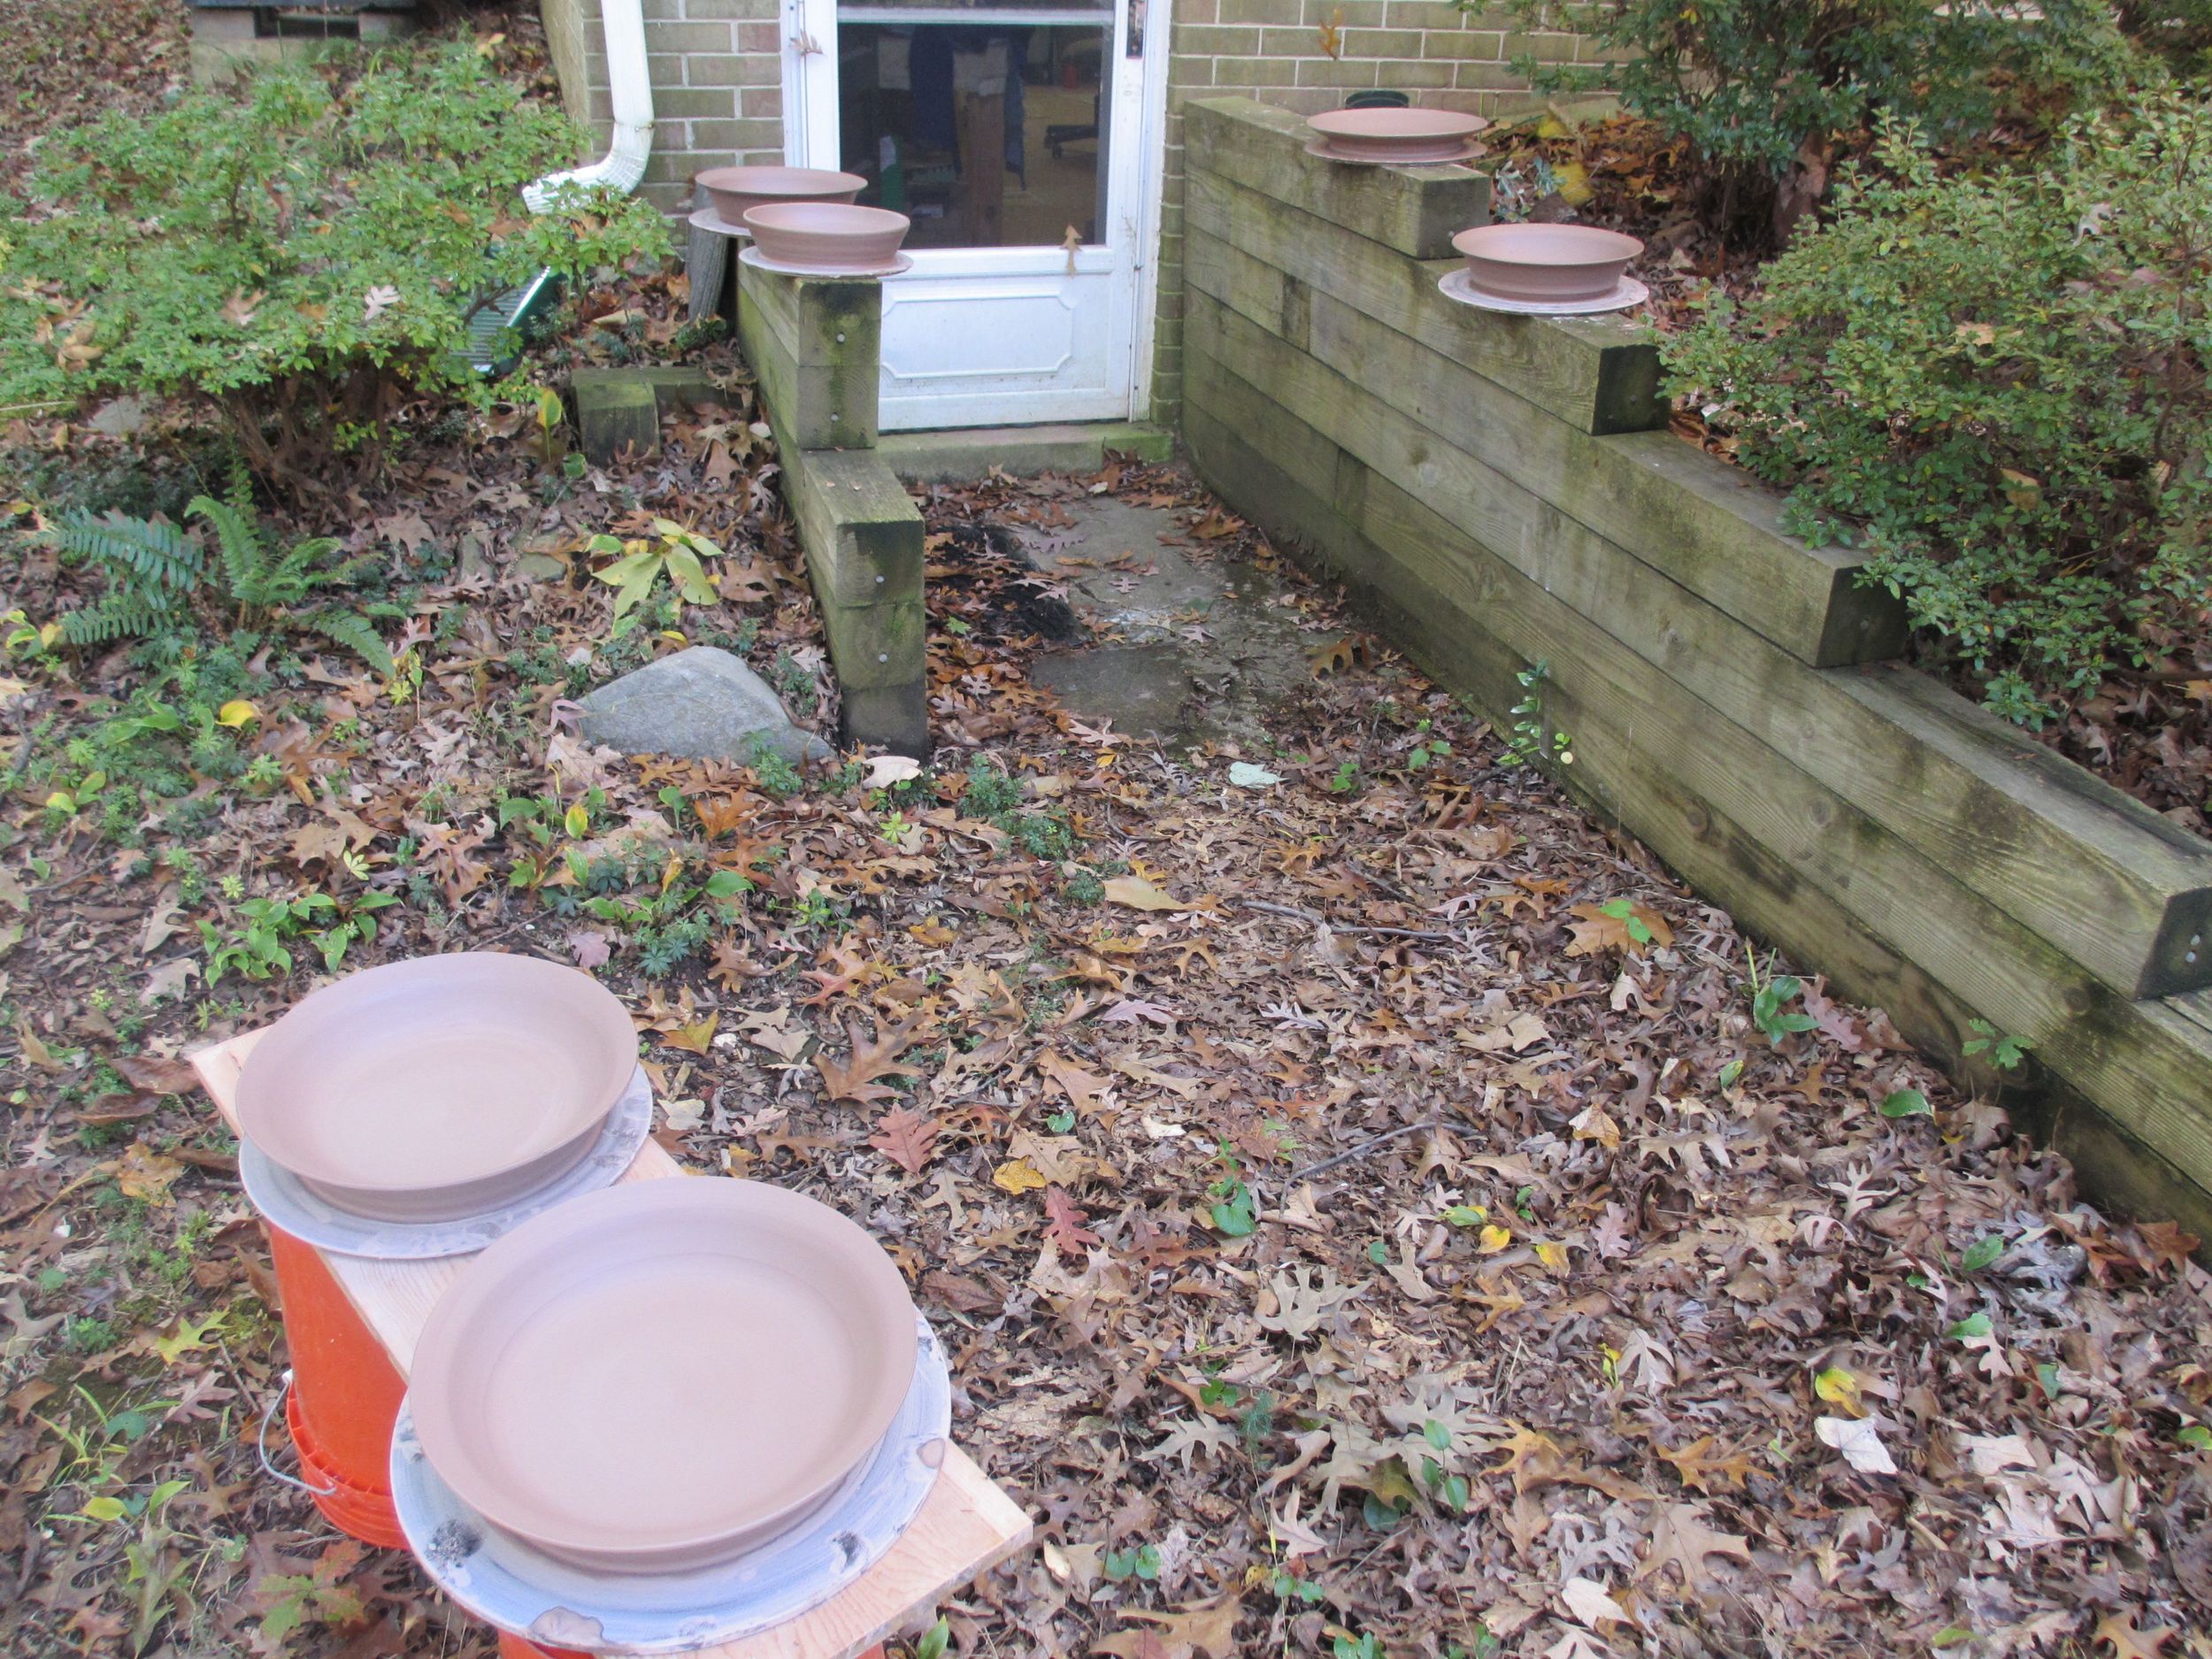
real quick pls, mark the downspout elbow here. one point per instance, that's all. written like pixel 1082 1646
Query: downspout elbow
pixel 630 89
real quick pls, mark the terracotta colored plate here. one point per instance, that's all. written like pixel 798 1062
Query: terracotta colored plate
pixel 830 238
pixel 1405 136
pixel 734 189
pixel 662 1375
pixel 1548 263
pixel 437 1087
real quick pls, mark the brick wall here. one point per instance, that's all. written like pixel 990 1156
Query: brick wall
pixel 1439 55
pixel 718 92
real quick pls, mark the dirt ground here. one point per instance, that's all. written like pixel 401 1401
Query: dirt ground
pixel 1352 1183
pixel 1373 1208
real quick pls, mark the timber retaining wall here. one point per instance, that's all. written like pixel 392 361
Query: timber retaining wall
pixel 1500 491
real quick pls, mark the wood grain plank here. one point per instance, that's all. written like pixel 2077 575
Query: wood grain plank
pixel 966 1526
pixel 1415 209
pixel 2122 897
pixel 814 344
pixel 1687 515
pixel 1795 863
pixel 1599 375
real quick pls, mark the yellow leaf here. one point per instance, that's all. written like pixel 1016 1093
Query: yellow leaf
pixel 1139 895
pixel 1495 1238
pixel 1574 183
pixel 237 712
pixel 2022 490
pixel 1552 1256
pixel 147 1176
pixel 1017 1176
pixel 695 1037
pixel 1839 1388
pixel 1552 127
pixel 577 820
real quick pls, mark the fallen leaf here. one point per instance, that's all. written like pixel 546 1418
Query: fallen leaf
pixel 1859 1441
pixel 1140 895
pixel 906 1137
pixel 1017 1176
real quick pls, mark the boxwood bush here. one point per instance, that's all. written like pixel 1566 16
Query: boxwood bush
pixel 299 253
pixel 1995 383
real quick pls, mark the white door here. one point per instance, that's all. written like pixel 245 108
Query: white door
pixel 1024 142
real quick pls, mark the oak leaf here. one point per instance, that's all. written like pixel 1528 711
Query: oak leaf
pixel 2128 1639
pixel 907 1138
pixel 1017 1176
pixel 1208 1628
pixel 1682 1539
pixel 1620 925
pixel 1063 1223
pixel 855 1078
pixel 1702 1462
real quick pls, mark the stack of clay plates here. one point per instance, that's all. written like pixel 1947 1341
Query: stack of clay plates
pixel 657 1401
pixel 1545 270
pixel 1396 137
pixel 411 1100
pixel 826 239
pixel 732 191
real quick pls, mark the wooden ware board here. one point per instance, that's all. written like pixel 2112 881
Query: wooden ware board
pixel 966 1527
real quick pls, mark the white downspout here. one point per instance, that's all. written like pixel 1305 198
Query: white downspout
pixel 632 90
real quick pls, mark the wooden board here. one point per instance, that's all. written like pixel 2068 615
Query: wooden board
pixel 966 1526
pixel 1796 865
pixel 1599 375
pixel 1417 210
pixel 862 532
pixel 814 344
pixel 1692 517
pixel 2097 875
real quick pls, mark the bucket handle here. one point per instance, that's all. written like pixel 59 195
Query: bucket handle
pixel 261 1445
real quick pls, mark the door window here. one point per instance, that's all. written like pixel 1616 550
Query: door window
pixel 988 126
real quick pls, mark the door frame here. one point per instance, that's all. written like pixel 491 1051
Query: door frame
pixel 810 129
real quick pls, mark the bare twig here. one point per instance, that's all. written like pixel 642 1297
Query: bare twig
pixel 1350 927
pixel 1367 1146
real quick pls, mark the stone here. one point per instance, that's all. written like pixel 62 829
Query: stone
pixel 701 703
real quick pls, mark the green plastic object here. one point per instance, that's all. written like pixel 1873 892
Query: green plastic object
pixel 494 330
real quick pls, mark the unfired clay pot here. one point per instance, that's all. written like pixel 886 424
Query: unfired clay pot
pixel 1407 137
pixel 657 1377
pixel 733 190
pixel 1546 263
pixel 439 1087
pixel 827 237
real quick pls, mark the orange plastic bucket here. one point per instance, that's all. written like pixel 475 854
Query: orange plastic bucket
pixel 514 1647
pixel 345 1396
pixel 362 1512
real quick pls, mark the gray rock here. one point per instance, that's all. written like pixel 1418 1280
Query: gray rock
pixel 701 703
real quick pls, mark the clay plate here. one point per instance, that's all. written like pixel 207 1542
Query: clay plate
pixel 660 1375
pixel 1547 263
pixel 439 1087
pixel 1407 137
pixel 832 239
pixel 734 189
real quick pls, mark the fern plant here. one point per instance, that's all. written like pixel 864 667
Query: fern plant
pixel 155 572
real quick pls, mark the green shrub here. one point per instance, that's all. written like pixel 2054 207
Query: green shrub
pixel 299 253
pixel 1995 385
pixel 1759 87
